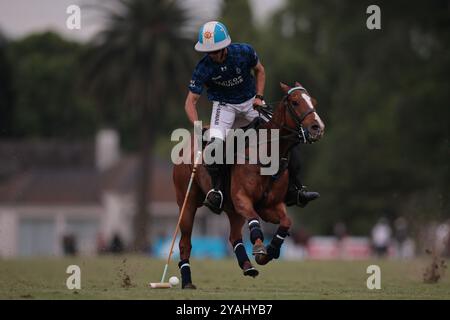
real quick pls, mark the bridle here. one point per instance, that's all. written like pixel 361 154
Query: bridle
pixel 299 134
pixel 298 119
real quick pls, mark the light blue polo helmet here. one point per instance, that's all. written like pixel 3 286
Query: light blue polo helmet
pixel 212 36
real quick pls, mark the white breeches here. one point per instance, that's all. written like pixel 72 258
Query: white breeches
pixel 227 116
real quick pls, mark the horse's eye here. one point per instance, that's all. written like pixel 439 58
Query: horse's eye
pixel 295 103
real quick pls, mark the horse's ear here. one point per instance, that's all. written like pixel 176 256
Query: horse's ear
pixel 297 84
pixel 284 87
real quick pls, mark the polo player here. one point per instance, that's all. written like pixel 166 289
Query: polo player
pixel 226 71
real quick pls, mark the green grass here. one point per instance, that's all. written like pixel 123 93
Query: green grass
pixel 103 278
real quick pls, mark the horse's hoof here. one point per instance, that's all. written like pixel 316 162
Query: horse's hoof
pixel 189 286
pixel 252 272
pixel 262 259
pixel 249 270
pixel 259 248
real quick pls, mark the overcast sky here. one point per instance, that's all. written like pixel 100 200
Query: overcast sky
pixel 19 17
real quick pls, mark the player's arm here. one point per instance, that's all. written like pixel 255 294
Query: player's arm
pixel 191 106
pixel 260 79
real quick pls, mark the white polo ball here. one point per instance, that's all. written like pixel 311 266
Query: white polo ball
pixel 174 281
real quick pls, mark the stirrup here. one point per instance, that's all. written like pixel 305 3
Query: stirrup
pixel 211 205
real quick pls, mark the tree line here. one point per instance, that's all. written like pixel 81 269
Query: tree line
pixel 383 94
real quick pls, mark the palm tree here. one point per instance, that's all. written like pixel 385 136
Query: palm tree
pixel 139 57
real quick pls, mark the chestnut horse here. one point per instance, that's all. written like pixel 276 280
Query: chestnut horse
pixel 252 195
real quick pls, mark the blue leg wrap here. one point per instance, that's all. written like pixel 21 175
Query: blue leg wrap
pixel 273 249
pixel 185 270
pixel 239 251
pixel 255 230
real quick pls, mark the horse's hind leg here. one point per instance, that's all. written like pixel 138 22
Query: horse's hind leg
pixel 236 223
pixel 185 246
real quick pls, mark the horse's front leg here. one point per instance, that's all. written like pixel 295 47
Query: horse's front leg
pixel 279 215
pixel 244 206
pixel 236 224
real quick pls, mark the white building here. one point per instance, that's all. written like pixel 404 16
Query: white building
pixel 89 199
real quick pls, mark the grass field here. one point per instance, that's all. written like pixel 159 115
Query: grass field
pixel 128 278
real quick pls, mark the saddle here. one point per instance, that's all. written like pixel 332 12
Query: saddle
pixel 254 124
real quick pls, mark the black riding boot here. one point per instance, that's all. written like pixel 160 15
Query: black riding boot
pixel 214 197
pixel 297 193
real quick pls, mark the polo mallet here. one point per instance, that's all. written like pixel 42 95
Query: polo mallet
pixel 162 284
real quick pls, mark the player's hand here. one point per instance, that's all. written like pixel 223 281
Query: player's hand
pixel 257 103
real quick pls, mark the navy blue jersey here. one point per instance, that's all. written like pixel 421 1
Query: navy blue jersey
pixel 231 81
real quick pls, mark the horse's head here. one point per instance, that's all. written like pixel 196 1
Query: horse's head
pixel 301 114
